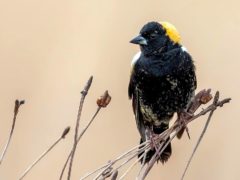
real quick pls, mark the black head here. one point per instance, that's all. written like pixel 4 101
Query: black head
pixel 153 37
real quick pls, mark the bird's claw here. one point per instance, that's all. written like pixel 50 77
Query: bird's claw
pixel 152 141
pixel 183 116
pixel 150 135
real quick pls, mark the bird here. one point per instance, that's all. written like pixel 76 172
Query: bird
pixel 162 82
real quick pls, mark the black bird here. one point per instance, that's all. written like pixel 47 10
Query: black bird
pixel 162 80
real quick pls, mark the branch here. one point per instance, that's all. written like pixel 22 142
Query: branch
pixel 215 101
pixel 70 154
pixel 84 93
pixel 132 152
pixel 102 102
pixel 65 132
pixel 16 109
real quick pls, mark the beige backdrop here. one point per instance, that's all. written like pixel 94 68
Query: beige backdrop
pixel 49 48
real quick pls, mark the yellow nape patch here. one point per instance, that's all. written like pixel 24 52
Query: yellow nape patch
pixel 171 31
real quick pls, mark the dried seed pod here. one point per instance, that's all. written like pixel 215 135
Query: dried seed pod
pixel 17 105
pixel 22 102
pixel 205 98
pixel 66 131
pixel 104 100
pixel 87 86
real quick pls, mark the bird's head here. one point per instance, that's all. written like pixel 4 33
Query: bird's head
pixel 155 36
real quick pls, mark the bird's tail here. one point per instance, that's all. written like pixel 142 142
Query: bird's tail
pixel 180 133
pixel 164 155
pixel 162 158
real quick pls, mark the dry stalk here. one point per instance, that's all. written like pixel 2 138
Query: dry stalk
pixel 134 163
pixel 81 134
pixel 84 93
pixel 135 150
pixel 65 132
pixel 129 156
pixel 114 175
pixel 102 102
pixel 16 110
pixel 201 135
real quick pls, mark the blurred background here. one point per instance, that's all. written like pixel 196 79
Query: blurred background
pixel 48 50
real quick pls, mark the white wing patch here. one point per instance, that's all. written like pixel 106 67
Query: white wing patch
pixel 135 58
pixel 184 49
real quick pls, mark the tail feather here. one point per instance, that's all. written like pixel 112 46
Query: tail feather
pixel 162 158
pixel 180 133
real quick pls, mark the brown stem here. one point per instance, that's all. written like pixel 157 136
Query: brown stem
pixel 16 109
pixel 102 102
pixel 129 154
pixel 154 158
pixel 81 134
pixel 84 93
pixel 65 132
pixel 202 134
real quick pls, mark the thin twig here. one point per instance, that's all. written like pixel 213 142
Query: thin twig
pixel 162 146
pixel 142 148
pixel 84 93
pixel 114 175
pixel 158 152
pixel 65 132
pixel 132 155
pixel 16 110
pixel 124 155
pixel 134 163
pixel 84 130
pixel 102 102
pixel 201 135
pixel 145 153
pixel 145 150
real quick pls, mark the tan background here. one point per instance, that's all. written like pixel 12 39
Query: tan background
pixel 49 48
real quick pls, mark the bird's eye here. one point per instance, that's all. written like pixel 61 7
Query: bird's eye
pixel 153 35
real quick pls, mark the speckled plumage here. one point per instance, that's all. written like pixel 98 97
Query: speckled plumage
pixel 162 82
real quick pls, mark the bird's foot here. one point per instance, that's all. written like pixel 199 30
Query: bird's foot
pixel 150 135
pixel 153 143
pixel 182 120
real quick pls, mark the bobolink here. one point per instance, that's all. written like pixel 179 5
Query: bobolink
pixel 162 80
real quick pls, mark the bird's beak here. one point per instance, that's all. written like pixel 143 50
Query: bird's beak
pixel 139 40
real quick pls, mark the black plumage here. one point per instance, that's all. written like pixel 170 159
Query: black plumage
pixel 162 81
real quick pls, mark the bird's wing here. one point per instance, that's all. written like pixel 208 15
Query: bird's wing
pixel 131 83
pixel 130 87
pixel 138 114
pixel 134 95
pixel 191 70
